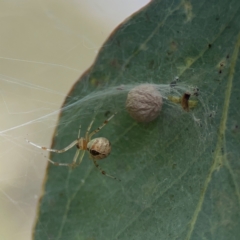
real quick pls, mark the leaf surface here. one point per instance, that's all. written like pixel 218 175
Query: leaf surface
pixel 178 180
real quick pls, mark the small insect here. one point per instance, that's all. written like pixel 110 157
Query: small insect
pixel 98 148
pixel 184 101
pixel 196 91
pixel 174 82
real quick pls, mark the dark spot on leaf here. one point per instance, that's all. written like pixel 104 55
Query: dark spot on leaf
pixel 151 64
pixel 118 43
pixel 173 46
pixel 147 17
pixel 128 66
pixel 222 150
pixel 106 114
pixel 171 196
pixel 136 51
pixel 235 128
pixel 61 194
pixel 114 63
pixel 209 45
pixel 169 53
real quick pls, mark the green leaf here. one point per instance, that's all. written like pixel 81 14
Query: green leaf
pixel 178 180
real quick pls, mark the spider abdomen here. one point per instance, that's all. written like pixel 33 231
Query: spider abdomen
pixel 99 148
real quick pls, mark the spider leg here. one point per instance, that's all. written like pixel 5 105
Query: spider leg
pixel 88 129
pixel 79 130
pixel 103 172
pixel 99 128
pixel 58 164
pixel 66 164
pixel 75 163
pixel 54 150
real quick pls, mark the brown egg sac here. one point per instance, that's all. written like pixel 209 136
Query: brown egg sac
pixel 144 103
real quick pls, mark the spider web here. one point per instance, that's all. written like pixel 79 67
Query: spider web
pixel 179 179
pixel 176 184
pixel 45 47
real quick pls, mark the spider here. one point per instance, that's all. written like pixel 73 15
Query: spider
pixel 98 148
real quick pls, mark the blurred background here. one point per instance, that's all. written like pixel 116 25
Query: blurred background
pixel 45 45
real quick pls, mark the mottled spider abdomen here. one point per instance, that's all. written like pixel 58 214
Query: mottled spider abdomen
pixel 99 148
